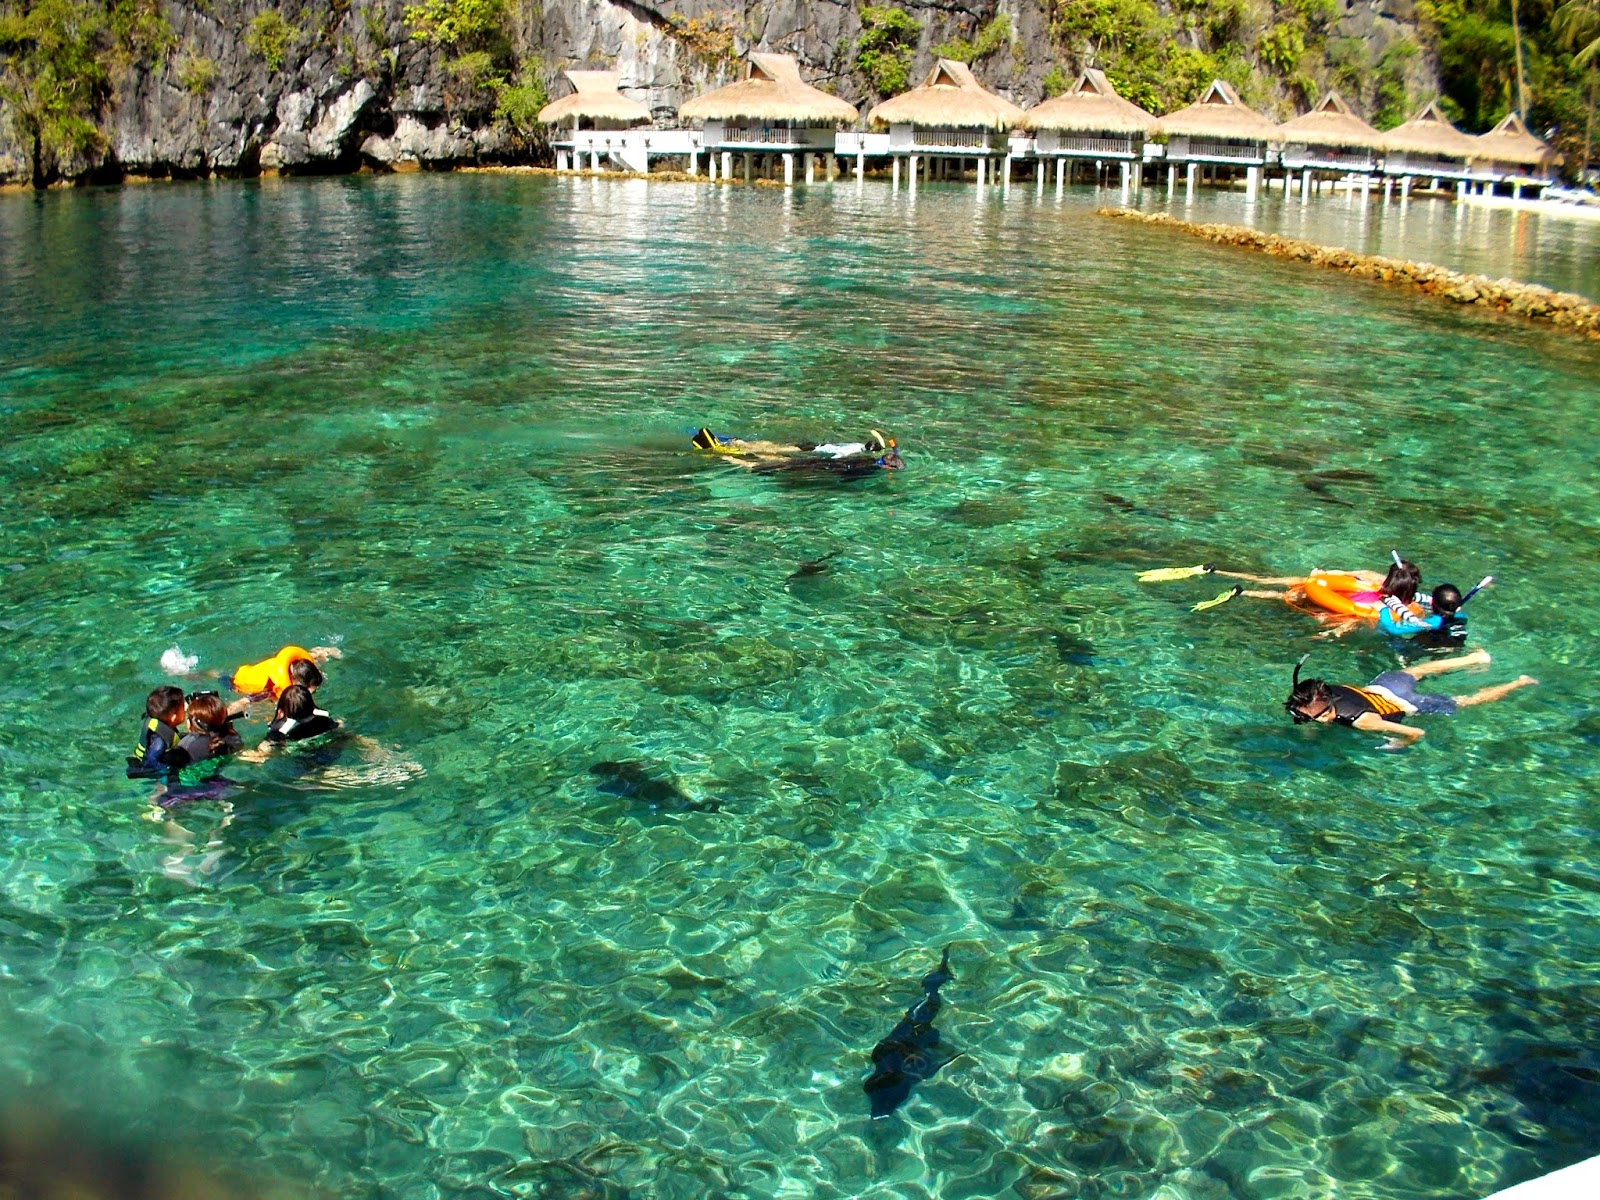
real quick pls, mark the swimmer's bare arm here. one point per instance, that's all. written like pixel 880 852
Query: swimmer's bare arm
pixel 1373 723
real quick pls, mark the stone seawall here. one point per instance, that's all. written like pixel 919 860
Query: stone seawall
pixel 1565 310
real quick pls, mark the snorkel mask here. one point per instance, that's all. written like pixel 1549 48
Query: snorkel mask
pixel 887 449
pixel 1295 700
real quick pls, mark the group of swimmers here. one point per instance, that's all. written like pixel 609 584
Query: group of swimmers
pixel 167 751
pixel 1392 604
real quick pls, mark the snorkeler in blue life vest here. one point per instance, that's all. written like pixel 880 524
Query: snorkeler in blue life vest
pixel 1444 627
pixel 157 750
pixel 847 459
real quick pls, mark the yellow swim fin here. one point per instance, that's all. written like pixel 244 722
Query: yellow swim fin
pixel 1163 574
pixel 1216 600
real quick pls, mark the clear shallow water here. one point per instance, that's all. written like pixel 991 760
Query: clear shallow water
pixel 1199 953
pixel 1561 252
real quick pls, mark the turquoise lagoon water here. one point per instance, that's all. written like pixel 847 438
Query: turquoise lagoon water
pixel 1200 954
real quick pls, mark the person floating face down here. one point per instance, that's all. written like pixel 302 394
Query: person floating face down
pixel 1445 626
pixel 1383 705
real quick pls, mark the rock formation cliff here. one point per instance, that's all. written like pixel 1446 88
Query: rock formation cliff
pixel 231 88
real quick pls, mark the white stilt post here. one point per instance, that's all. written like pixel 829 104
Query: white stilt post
pixel 1305 186
pixel 1188 184
pixel 1124 176
pixel 1405 188
pixel 1461 189
pixel 982 163
pixel 1252 180
pixel 1366 182
pixel 1040 166
pixel 915 164
pixel 894 184
pixel 811 168
pixel 861 166
pixel 727 164
pixel 1061 176
pixel 1005 180
pixel 788 171
pixel 1172 180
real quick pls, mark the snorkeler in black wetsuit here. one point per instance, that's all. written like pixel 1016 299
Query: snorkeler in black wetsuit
pixel 298 718
pixel 1382 705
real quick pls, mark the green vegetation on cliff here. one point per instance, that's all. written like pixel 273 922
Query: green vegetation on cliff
pixel 57 62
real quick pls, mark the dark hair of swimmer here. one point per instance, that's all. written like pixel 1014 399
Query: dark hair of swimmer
pixel 163 703
pixel 306 673
pixel 296 703
pixel 1446 599
pixel 1402 581
pixel 1303 692
pixel 210 716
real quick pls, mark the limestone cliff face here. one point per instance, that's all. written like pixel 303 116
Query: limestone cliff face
pixel 354 88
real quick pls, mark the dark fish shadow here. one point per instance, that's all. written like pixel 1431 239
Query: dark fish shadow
pixel 911 1052
pixel 1317 484
pixel 633 781
pixel 811 568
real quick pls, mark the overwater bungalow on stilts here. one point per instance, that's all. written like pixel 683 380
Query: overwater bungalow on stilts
pixel 946 120
pixel 768 118
pixel 1217 133
pixel 1328 140
pixel 596 101
pixel 1509 154
pixel 1088 123
pixel 1428 147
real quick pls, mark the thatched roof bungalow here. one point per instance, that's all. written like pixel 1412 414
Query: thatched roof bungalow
pixel 1090 120
pixel 948 113
pixel 1428 144
pixel 1218 128
pixel 771 109
pixel 595 99
pixel 1329 137
pixel 1510 152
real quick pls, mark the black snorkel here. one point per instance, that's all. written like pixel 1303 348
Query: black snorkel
pixel 1295 700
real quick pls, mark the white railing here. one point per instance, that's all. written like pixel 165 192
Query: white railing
pixel 1223 151
pixel 1327 156
pixel 1442 168
pixel 1071 143
pixel 764 135
pixel 976 139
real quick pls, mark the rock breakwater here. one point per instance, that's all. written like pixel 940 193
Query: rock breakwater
pixel 1565 310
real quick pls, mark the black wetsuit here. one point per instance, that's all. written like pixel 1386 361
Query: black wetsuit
pixel 287 729
pixel 1349 703
pixel 196 747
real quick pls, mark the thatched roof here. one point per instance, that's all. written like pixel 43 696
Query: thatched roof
pixel 949 98
pixel 1330 123
pixel 1430 132
pixel 1510 142
pixel 1219 113
pixel 1091 104
pixel 595 96
pixel 771 90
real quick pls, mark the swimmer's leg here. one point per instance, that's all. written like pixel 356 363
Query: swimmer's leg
pixel 1485 695
pixel 1477 658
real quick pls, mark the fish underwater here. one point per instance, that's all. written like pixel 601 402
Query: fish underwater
pixel 911 1052
pixel 812 567
pixel 633 781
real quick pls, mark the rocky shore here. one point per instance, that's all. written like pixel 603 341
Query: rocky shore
pixel 1564 310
